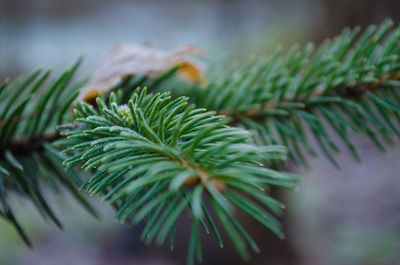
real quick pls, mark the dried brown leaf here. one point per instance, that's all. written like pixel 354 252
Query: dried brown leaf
pixel 129 59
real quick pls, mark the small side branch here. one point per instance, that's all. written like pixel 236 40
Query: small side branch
pixel 28 144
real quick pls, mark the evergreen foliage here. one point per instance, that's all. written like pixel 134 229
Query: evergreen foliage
pixel 348 84
pixel 155 156
pixel 29 113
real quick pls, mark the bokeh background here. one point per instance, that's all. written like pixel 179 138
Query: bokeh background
pixel 348 217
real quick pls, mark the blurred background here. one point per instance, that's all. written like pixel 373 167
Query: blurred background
pixel 349 216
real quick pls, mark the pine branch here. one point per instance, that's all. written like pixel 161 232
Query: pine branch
pixel 29 112
pixel 157 157
pixel 349 83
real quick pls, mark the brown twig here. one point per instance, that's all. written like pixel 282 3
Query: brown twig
pixel 202 179
pixel 25 145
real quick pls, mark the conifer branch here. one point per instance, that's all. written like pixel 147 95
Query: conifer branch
pixel 157 157
pixel 347 84
pixel 28 162
pixel 30 113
